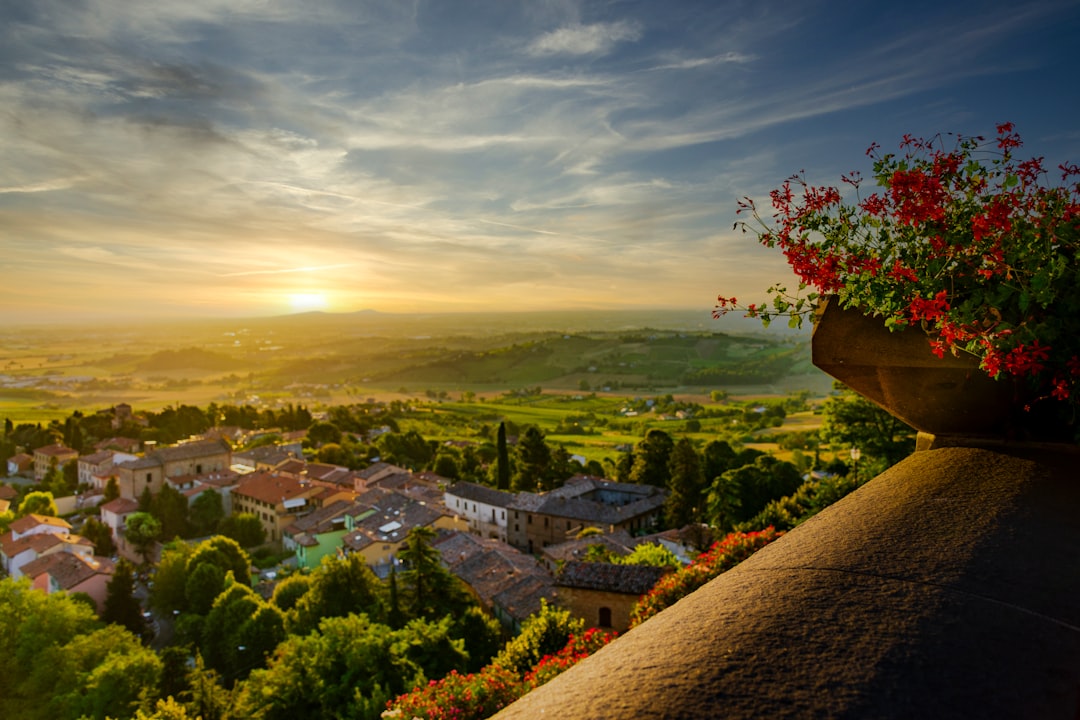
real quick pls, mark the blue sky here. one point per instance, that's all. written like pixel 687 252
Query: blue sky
pixel 254 157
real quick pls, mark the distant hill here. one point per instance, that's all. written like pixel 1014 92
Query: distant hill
pixel 189 359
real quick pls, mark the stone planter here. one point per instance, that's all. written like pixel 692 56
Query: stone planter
pixel 948 400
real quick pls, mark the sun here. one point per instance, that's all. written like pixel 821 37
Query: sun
pixel 307 301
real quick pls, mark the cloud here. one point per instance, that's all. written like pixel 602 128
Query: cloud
pixel 729 58
pixel 596 39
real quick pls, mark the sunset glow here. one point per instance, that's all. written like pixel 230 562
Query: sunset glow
pixel 223 158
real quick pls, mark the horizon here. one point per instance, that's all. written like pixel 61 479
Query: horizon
pixel 228 160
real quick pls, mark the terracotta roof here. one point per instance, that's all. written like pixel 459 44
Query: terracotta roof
pixel 55 450
pixel 21 459
pixel 26 524
pixel 68 569
pixel 97 458
pixel 522 600
pixel 321 520
pixel 624 579
pixel 269 487
pixel 377 468
pixel 293 466
pixel 619 542
pixel 120 506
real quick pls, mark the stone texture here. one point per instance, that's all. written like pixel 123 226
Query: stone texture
pixel 946 587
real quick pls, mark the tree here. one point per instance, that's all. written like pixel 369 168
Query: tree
pixel 429 589
pixel 240 631
pixel 534 462
pixel 112 490
pixel 851 421
pixel 288 592
pixel 503 459
pixel 58 661
pixel 322 433
pixel 651 457
pixel 224 552
pixel 121 607
pixel 245 528
pixel 544 633
pixel 340 586
pixel 38 503
pixel 170 507
pixel 652 554
pixel 205 696
pixel 168 593
pixel 350 667
pixel 686 483
pixel 206 513
pixel 142 531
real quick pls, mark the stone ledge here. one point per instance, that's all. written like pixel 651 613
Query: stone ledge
pixel 946 587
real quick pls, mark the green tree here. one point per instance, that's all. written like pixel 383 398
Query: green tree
pixel 112 490
pixel 340 586
pixel 205 696
pixel 503 460
pixel 168 593
pixel 350 667
pixel 38 503
pixel 534 462
pixel 121 607
pixel 142 530
pixel 544 633
pixel 322 433
pixel 651 458
pixel 170 507
pixel 429 590
pixel 224 552
pixel 206 513
pixel 686 485
pixel 652 554
pixel 203 585
pixel 240 631
pixel 288 592
pixel 245 528
pixel 851 421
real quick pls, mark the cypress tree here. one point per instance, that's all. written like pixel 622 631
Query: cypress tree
pixel 503 459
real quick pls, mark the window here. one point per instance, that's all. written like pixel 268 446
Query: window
pixel 530 519
pixel 545 522
pixel 198 469
pixel 149 478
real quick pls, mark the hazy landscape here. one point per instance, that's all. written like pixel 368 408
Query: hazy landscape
pixel 321 359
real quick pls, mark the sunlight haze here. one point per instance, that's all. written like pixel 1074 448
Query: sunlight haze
pixel 216 158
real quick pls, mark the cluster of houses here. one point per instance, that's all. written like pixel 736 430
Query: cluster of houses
pixel 511 549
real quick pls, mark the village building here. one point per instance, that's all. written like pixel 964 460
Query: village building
pixel 114 514
pixel 506 582
pixel 370 475
pixel 193 458
pixel 604 594
pixel 276 499
pixel 535 521
pixel 318 534
pixel 45 458
pixel 484 508
pixel 72 573
pixel 381 520
pixel 20 465
pixel 33 536
pixel 95 469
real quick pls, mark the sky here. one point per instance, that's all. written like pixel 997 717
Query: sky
pixel 237 158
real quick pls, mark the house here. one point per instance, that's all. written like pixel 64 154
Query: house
pixel 276 499
pixel 483 507
pixel 618 543
pixel 114 514
pixel 604 594
pixel 122 444
pixel 264 457
pixel 535 521
pixel 95 469
pixel 318 534
pixel 32 536
pixel 381 520
pixel 193 458
pixel 370 475
pixel 72 573
pixel 46 457
pixel 506 582
pixel 20 464
pixel 224 482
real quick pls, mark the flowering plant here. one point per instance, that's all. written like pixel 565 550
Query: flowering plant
pixel 965 240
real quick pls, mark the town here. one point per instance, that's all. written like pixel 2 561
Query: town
pixel 153 535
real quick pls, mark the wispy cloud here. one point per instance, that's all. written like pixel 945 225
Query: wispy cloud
pixel 595 39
